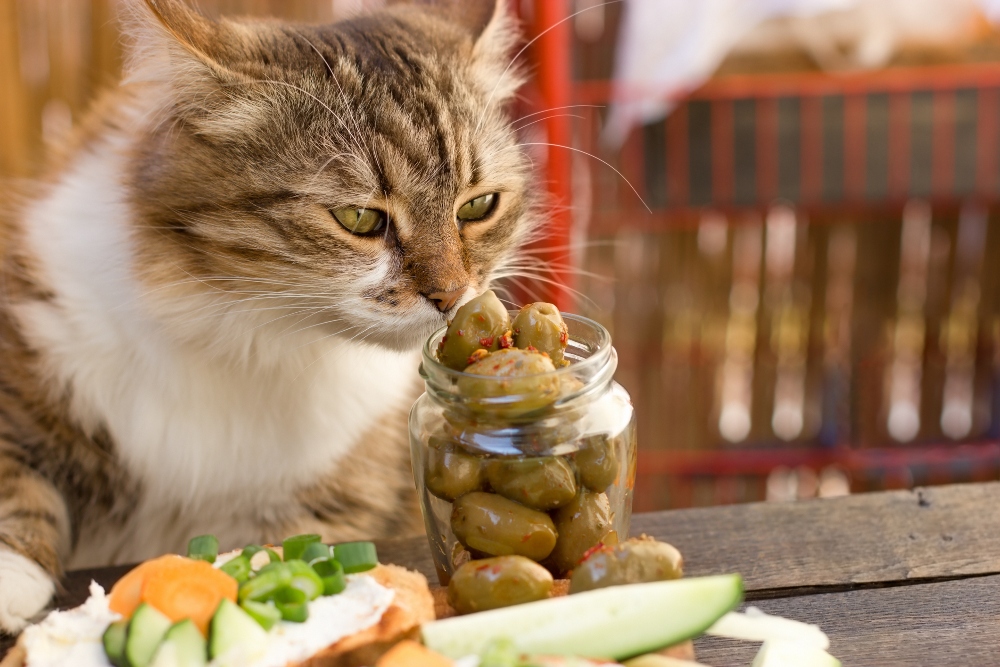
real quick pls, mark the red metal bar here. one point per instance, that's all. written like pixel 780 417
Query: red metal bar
pixel 899 144
pixel 555 83
pixel 767 149
pixel 677 156
pixel 855 140
pixel 986 141
pixel 943 151
pixel 741 86
pixel 812 148
pixel 763 461
pixel 722 151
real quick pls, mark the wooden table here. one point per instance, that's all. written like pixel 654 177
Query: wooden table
pixel 898 578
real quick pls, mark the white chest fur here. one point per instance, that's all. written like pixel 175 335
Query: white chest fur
pixel 194 428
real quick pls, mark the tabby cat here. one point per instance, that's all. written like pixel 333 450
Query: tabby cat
pixel 210 309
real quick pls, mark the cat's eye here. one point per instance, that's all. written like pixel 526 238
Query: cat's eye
pixel 360 221
pixel 478 208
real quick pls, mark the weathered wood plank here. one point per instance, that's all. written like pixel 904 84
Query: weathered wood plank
pixel 945 624
pixel 902 535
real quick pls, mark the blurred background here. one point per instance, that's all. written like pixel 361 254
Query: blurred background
pixel 785 210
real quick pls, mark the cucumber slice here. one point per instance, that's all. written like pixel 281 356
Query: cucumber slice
pixel 183 646
pixel 356 556
pixel 756 626
pixel 231 628
pixel 114 643
pixel 145 632
pixel 617 622
pixel 791 654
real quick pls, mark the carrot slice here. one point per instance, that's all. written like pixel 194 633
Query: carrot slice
pixel 192 591
pixel 126 595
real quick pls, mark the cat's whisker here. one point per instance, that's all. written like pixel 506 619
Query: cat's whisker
pixel 566 106
pixel 591 155
pixel 541 120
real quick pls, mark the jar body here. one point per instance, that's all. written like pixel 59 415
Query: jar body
pixel 549 486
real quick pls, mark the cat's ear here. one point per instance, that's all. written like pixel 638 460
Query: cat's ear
pixel 494 35
pixel 171 42
pixel 475 16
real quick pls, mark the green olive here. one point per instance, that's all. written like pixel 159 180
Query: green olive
pixel 597 462
pixel 520 379
pixel 451 472
pixel 582 525
pixel 540 326
pixel 494 525
pixel 492 583
pixel 481 324
pixel 542 483
pixel 635 561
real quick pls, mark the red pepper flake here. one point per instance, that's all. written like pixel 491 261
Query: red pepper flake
pixel 506 341
pixel 600 546
pixel 531 348
pixel 486 341
pixel 526 537
pixel 459 333
pixel 476 356
pixel 563 337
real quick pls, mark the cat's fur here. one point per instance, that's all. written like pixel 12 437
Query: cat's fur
pixel 189 342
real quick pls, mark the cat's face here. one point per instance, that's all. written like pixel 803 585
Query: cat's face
pixel 358 179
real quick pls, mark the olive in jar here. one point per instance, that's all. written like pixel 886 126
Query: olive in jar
pixel 513 382
pixel 451 472
pixel 492 583
pixel 581 525
pixel 481 324
pixel 541 326
pixel 494 525
pixel 597 462
pixel 542 482
pixel 634 561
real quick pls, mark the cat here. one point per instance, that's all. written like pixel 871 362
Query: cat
pixel 211 307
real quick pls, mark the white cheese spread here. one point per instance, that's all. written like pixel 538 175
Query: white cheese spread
pixel 73 637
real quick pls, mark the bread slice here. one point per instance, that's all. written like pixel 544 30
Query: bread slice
pixel 412 606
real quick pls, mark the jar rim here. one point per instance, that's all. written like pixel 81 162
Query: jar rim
pixel 599 355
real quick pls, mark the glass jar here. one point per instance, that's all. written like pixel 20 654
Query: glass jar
pixel 542 466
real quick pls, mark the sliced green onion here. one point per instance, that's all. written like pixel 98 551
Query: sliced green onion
pixel 292 604
pixel 332 574
pixel 305 579
pixel 356 556
pixel 238 568
pixel 203 547
pixel 294 546
pixel 315 551
pixel 251 550
pixel 271 578
pixel 273 555
pixel 265 613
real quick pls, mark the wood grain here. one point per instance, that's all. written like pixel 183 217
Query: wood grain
pixel 944 531
pixel 946 624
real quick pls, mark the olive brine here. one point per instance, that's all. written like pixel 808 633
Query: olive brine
pixel 272 587
pixel 547 501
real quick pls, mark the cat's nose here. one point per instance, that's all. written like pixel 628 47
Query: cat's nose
pixel 445 300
